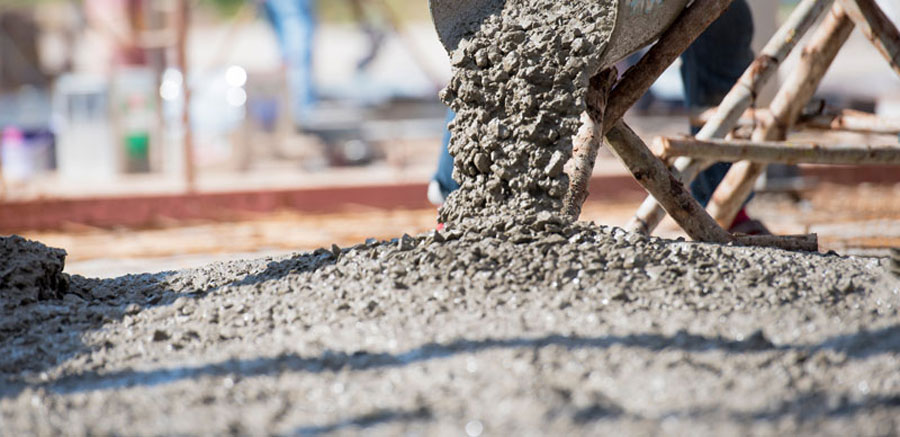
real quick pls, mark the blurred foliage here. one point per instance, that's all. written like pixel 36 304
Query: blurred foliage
pixel 405 10
pixel 226 8
pixel 339 11
pixel 9 4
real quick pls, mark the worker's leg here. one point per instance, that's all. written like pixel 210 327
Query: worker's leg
pixel 442 183
pixel 294 21
pixel 710 67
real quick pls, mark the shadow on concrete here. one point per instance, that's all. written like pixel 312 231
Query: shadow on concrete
pixel 41 335
pixel 874 342
pixel 805 407
pixel 369 420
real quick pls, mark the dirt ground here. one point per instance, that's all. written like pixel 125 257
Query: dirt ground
pixel 859 220
pixel 510 329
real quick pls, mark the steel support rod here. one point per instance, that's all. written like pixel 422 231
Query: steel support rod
pixel 739 99
pixel 816 58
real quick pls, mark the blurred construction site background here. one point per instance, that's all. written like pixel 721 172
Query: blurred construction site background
pixel 142 129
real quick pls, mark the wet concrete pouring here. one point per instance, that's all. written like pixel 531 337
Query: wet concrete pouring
pixel 512 321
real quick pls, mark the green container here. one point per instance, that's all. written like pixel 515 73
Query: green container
pixel 137 152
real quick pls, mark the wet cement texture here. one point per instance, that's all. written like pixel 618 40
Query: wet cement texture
pixel 518 90
pixel 511 321
pixel 29 272
pixel 542 328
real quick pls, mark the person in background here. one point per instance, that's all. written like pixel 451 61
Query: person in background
pixel 710 67
pixel 294 22
pixel 119 22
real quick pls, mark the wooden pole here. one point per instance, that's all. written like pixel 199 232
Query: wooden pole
pixel 847 120
pixel 2 179
pixel 584 151
pixel 738 100
pixel 852 121
pixel 795 243
pixel 782 152
pixel 656 178
pixel 785 110
pixel 653 175
pixel 692 22
pixel 182 18
pixel 877 27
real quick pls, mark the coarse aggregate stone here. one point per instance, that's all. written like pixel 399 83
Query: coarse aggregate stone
pixel 29 272
pixel 895 261
pixel 528 328
pixel 518 90
pixel 511 321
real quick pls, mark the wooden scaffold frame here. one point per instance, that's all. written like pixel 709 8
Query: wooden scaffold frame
pixel 689 156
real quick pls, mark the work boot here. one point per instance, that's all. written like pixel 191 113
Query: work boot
pixel 743 224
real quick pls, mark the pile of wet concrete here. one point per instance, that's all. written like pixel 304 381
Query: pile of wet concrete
pixel 895 261
pixel 532 326
pixel 512 320
pixel 30 272
pixel 518 90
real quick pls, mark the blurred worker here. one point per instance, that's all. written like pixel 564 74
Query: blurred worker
pixel 710 67
pixel 294 23
pixel 120 22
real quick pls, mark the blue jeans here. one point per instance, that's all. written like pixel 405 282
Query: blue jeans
pixel 710 67
pixel 444 174
pixel 294 24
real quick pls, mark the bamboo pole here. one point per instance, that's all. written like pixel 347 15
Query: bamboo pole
pixel 182 18
pixel 773 151
pixel 584 150
pixel 656 178
pixel 877 27
pixel 817 56
pixel 738 100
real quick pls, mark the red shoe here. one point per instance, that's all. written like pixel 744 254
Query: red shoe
pixel 743 224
